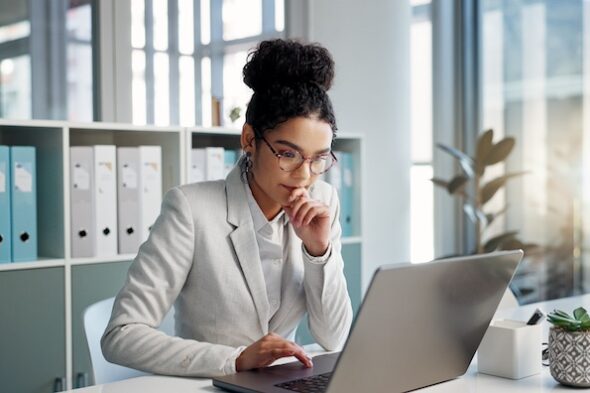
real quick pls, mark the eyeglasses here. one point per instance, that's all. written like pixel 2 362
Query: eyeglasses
pixel 291 160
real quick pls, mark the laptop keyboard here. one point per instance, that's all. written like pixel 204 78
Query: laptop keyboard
pixel 315 383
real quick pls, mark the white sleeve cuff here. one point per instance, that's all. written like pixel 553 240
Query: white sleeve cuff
pixel 230 363
pixel 319 260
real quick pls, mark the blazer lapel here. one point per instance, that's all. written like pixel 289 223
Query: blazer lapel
pixel 245 246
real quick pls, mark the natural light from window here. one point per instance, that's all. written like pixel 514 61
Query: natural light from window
pixel 421 188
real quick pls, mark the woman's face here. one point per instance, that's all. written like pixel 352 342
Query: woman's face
pixel 272 186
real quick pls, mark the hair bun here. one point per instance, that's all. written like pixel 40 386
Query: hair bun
pixel 286 62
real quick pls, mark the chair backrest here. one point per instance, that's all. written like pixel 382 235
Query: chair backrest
pixel 96 317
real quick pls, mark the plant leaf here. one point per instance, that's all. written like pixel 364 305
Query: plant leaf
pixel 510 244
pixel 560 313
pixel 467 164
pixel 440 182
pixel 579 313
pixel 499 151
pixel 493 243
pixel 484 145
pixel 561 320
pixel 491 187
pixel 557 318
pixel 457 184
pixel 528 247
pixel 490 217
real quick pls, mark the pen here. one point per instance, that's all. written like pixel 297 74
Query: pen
pixel 536 317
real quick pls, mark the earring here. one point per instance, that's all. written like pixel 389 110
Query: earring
pixel 248 162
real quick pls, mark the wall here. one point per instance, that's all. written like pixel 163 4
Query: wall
pixel 371 95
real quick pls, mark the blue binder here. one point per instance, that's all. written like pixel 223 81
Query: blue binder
pixel 346 193
pixel 23 179
pixel 5 216
pixel 229 158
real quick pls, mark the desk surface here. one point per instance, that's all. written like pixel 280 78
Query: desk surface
pixel 472 381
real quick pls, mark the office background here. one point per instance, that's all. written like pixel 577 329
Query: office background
pixel 410 74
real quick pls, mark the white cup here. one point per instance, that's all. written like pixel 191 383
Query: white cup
pixel 510 349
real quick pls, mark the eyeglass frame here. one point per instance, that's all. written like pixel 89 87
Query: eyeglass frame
pixel 279 156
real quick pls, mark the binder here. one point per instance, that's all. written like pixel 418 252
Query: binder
pixel 23 185
pixel 5 215
pixel 229 161
pixel 342 177
pixel 208 163
pixel 215 163
pixel 128 228
pixel 198 163
pixel 105 200
pixel 139 186
pixel 82 203
pixel 150 180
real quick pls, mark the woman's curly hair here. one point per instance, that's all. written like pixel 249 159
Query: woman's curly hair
pixel 289 79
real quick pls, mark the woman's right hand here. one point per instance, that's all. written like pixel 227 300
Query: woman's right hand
pixel 268 349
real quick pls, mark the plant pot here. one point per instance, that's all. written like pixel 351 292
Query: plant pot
pixel 569 357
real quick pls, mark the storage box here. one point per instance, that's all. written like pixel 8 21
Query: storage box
pixel 510 349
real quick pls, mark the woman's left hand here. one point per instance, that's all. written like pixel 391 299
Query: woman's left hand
pixel 311 221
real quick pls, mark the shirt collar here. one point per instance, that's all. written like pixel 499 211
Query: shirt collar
pixel 258 217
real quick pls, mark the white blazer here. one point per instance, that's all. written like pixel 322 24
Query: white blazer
pixel 202 256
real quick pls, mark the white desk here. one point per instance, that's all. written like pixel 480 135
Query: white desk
pixel 471 382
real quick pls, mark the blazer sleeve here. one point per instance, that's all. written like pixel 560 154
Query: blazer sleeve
pixel 328 304
pixel 153 283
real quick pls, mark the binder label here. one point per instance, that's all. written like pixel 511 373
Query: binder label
pixel 81 178
pixel 105 177
pixel 152 170
pixel 3 177
pixel 23 178
pixel 129 177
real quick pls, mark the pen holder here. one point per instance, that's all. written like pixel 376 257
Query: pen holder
pixel 510 349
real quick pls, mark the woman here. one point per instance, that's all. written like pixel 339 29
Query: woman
pixel 244 259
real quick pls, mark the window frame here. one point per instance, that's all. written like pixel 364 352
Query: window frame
pixel 216 49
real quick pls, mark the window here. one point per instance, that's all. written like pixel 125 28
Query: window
pixel 79 62
pixel 421 188
pixel 535 68
pixel 188 56
pixel 46 60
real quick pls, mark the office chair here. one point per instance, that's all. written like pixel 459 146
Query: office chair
pixel 96 317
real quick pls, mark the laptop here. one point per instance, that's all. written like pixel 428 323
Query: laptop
pixel 418 325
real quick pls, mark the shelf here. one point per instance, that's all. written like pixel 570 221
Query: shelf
pixel 79 282
pixel 47 139
pixel 41 263
pixel 168 138
pixel 103 259
pixel 33 123
pixel 120 127
pixel 215 131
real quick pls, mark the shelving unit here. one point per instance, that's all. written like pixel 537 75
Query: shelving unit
pixel 52 307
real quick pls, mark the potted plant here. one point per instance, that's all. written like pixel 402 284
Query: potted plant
pixel 569 347
pixel 475 197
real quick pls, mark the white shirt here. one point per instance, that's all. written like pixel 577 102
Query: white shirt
pixel 271 238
